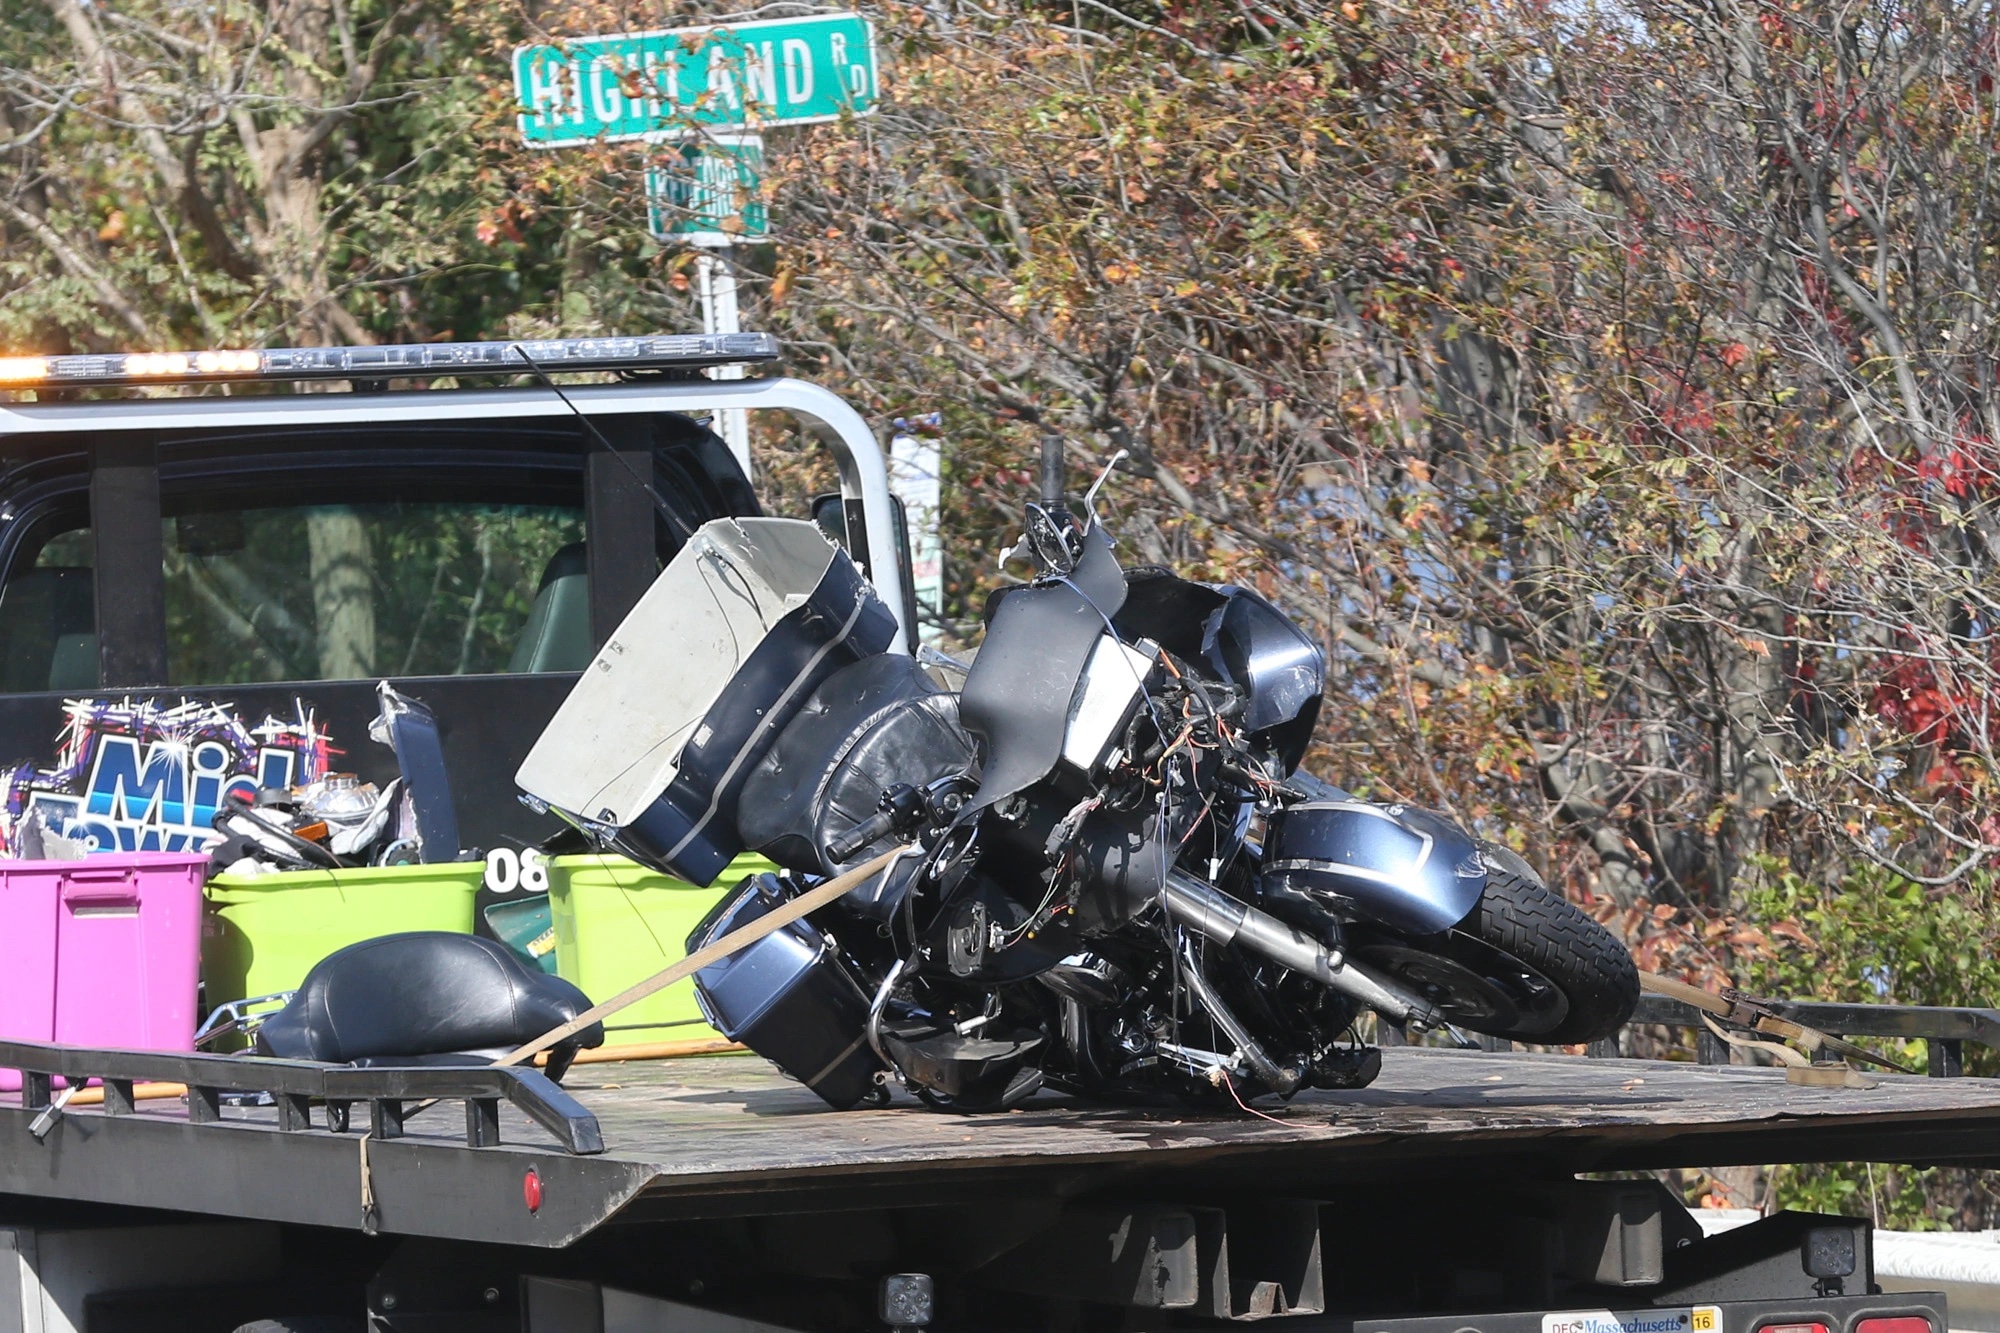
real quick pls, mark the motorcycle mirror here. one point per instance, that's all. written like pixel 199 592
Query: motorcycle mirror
pixel 1090 496
pixel 1054 539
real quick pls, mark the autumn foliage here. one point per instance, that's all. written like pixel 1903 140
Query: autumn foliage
pixel 1626 436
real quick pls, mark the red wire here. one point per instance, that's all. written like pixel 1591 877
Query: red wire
pixel 1240 1102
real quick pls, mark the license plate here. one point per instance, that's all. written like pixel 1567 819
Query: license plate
pixel 1685 1319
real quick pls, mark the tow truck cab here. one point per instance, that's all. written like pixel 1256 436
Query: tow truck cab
pixel 173 569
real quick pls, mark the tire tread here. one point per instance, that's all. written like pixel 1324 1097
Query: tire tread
pixel 1555 937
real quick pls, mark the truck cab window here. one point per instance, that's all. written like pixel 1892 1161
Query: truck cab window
pixel 355 591
pixel 66 550
pixel 48 618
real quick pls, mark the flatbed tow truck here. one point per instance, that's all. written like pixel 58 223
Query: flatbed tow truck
pixel 1466 1190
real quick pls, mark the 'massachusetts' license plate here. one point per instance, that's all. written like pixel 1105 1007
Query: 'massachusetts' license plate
pixel 1687 1319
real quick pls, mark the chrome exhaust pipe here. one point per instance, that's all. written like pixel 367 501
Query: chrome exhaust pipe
pixel 1213 913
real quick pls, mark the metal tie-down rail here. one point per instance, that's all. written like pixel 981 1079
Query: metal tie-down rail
pixel 296 1084
pixel 1943 1029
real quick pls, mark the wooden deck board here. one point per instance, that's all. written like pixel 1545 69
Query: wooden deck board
pixel 729 1135
pixel 734 1123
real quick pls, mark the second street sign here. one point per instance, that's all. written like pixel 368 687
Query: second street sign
pixel 641 85
pixel 705 191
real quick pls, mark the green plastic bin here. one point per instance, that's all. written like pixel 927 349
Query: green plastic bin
pixel 618 923
pixel 263 933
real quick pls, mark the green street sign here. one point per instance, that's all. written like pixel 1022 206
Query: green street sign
pixel 705 191
pixel 653 85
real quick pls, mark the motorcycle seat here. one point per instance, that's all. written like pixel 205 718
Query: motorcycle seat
pixel 424 997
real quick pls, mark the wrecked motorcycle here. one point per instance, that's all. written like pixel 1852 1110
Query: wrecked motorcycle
pixel 1113 878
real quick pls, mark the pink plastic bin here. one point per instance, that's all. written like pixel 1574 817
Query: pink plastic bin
pixel 101 952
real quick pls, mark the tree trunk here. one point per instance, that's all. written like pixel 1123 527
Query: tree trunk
pixel 343 593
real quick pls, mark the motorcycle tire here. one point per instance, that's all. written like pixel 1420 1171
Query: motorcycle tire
pixel 1523 918
pixel 1527 964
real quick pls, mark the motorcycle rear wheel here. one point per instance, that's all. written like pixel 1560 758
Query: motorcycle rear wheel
pixel 1527 965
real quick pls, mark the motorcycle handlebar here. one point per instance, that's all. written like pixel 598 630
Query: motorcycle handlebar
pixel 858 837
pixel 1052 469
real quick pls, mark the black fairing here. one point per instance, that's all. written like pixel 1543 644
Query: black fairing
pixel 1162 606
pixel 1281 671
pixel 871 725
pixel 1017 696
pixel 1245 640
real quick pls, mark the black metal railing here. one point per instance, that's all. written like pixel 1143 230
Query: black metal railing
pixel 1943 1030
pixel 390 1094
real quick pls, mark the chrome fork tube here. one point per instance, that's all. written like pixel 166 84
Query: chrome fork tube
pixel 1208 910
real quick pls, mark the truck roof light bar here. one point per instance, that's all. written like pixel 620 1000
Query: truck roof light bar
pixel 676 351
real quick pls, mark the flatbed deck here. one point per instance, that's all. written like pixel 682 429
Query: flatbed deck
pixel 728 1135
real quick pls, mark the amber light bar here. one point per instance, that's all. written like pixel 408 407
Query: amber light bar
pixel 674 351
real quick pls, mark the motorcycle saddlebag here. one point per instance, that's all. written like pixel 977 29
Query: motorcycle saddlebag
pixel 787 997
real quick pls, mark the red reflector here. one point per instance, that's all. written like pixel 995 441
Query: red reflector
pixel 531 1194
pixel 1902 1323
pixel 1792 1328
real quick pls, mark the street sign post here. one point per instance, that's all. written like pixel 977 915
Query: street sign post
pixel 706 192
pixel 916 465
pixel 662 84
pixel 719 313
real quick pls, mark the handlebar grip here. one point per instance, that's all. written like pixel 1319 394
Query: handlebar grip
pixel 1052 469
pixel 858 837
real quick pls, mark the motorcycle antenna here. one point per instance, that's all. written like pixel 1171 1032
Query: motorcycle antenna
pixel 1012 408
pixel 674 521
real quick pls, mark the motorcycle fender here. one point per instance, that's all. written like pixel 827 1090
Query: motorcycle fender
pixel 1409 869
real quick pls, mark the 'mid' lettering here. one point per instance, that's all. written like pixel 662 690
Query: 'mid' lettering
pixel 123 788
pixel 140 796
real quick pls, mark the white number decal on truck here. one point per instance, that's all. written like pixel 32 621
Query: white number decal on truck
pixel 508 870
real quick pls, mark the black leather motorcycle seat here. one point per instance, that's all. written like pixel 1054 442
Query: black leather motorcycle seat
pixel 415 997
